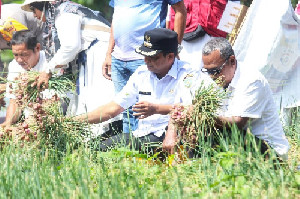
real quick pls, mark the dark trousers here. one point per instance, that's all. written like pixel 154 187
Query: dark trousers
pixel 115 128
pixel 147 144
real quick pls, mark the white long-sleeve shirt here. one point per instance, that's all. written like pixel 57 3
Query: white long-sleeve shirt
pixel 73 39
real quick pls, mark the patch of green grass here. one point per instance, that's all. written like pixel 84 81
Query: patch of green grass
pixel 44 173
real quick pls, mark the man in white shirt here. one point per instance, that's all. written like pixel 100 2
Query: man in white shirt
pixel 130 21
pixel 14 11
pixel 151 90
pixel 27 57
pixel 249 104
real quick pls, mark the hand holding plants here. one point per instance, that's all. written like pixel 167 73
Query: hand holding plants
pixel 2 93
pixel 171 139
pixel 42 81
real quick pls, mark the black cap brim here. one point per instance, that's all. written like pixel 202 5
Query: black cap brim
pixel 143 50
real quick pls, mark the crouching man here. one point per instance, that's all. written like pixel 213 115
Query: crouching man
pixel 151 90
pixel 249 105
pixel 27 57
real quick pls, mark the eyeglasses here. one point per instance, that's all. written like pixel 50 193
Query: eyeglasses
pixel 214 71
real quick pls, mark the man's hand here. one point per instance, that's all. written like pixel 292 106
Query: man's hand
pixel 169 144
pixel 2 102
pixel 144 109
pixel 106 67
pixel 170 140
pixel 6 126
pixel 2 88
pixel 42 81
pixel 3 125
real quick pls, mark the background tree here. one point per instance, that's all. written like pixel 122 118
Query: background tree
pixel 101 5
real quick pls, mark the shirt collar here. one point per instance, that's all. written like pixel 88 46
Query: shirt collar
pixel 173 72
pixel 235 78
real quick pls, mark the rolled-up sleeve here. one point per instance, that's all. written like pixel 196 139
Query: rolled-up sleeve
pixel 129 94
pixel 13 72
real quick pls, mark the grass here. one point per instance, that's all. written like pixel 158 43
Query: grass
pixel 293 136
pixel 232 173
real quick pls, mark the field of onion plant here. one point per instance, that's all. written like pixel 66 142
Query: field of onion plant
pixel 47 158
pixel 83 173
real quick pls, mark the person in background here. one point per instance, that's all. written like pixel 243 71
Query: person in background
pixel 297 9
pixel 130 21
pixel 279 59
pixel 202 20
pixel 27 19
pixel 24 20
pixel 249 104
pixel 76 38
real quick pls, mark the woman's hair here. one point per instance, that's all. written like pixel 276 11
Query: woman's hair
pixel 24 37
pixel 43 5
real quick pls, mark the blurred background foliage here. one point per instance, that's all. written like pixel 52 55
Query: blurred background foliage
pixel 103 5
pixel 100 5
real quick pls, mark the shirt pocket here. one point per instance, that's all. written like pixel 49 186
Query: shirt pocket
pixel 170 97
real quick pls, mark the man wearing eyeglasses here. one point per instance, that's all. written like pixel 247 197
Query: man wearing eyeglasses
pixel 249 103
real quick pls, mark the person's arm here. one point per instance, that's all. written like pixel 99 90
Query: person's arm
pixel 2 91
pixel 180 19
pixel 2 88
pixel 102 113
pixel 106 66
pixel 42 81
pixel 240 122
pixel 68 27
pixel 245 103
pixel 170 140
pixel 168 18
pixel 69 33
pixel 146 109
pixel 13 113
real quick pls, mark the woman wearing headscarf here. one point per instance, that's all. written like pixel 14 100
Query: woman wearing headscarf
pixel 13 18
pixel 75 37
